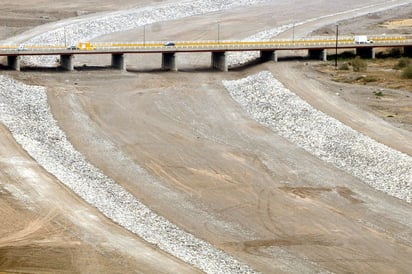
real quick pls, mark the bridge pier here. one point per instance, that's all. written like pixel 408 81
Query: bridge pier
pixel 268 55
pixel 118 61
pixel 366 52
pixel 66 62
pixel 169 61
pixel 318 54
pixel 219 61
pixel 14 62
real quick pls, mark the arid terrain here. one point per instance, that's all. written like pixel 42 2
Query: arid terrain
pixel 183 147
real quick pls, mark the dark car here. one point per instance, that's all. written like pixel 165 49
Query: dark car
pixel 169 44
pixel 73 48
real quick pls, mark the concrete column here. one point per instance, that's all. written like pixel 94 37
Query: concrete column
pixel 118 61
pixel 219 61
pixel 14 62
pixel 318 54
pixel 366 52
pixel 268 55
pixel 66 62
pixel 407 51
pixel 169 61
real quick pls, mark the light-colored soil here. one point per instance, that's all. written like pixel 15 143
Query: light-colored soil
pixel 398 24
pixel 23 15
pixel 380 89
pixel 219 174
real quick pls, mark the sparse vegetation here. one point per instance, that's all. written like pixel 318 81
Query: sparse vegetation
pixel 407 72
pixel 359 64
pixel 369 79
pixel 402 63
pixel 344 66
pixel 380 72
pixel 378 93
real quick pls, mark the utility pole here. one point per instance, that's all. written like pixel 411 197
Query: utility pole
pixel 65 37
pixel 144 35
pixel 218 33
pixel 336 47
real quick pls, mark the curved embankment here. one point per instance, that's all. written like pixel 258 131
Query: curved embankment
pixel 271 104
pixel 25 111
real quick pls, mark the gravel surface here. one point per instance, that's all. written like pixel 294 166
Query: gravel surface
pixel 271 104
pixel 25 111
pixel 92 27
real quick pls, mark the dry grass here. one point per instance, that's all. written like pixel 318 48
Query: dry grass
pixel 398 24
pixel 380 72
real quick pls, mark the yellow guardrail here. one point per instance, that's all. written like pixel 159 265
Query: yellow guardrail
pixel 208 44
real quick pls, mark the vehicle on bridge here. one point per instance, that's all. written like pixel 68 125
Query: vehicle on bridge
pixel 362 39
pixel 86 46
pixel 73 47
pixel 169 44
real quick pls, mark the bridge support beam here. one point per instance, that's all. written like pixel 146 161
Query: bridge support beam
pixel 118 61
pixel 14 62
pixel 219 61
pixel 169 61
pixel 318 54
pixel 366 52
pixel 266 55
pixel 407 51
pixel 66 62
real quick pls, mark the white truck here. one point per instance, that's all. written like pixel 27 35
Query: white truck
pixel 362 39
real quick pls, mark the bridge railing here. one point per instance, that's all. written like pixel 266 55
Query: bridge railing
pixel 213 44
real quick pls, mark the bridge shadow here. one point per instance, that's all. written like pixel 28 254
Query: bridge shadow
pixel 93 68
pixel 180 69
pixel 187 69
pixel 58 68
pixel 151 70
pixel 41 69
pixel 258 61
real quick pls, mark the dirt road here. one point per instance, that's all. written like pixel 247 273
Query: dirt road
pixel 209 168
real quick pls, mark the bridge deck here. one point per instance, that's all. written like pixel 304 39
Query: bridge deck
pixel 204 46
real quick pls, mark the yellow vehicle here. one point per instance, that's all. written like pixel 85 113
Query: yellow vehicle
pixel 86 46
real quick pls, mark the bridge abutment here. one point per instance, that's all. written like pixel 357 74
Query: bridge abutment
pixel 366 52
pixel 13 62
pixel 318 54
pixel 66 62
pixel 169 61
pixel 118 61
pixel 219 61
pixel 266 55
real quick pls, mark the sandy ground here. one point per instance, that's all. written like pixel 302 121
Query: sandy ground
pixel 230 180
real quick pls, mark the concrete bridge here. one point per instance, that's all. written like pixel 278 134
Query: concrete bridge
pixel 317 49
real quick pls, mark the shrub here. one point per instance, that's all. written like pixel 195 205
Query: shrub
pixel 344 66
pixel 369 79
pixel 378 93
pixel 359 65
pixel 402 63
pixel 407 72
